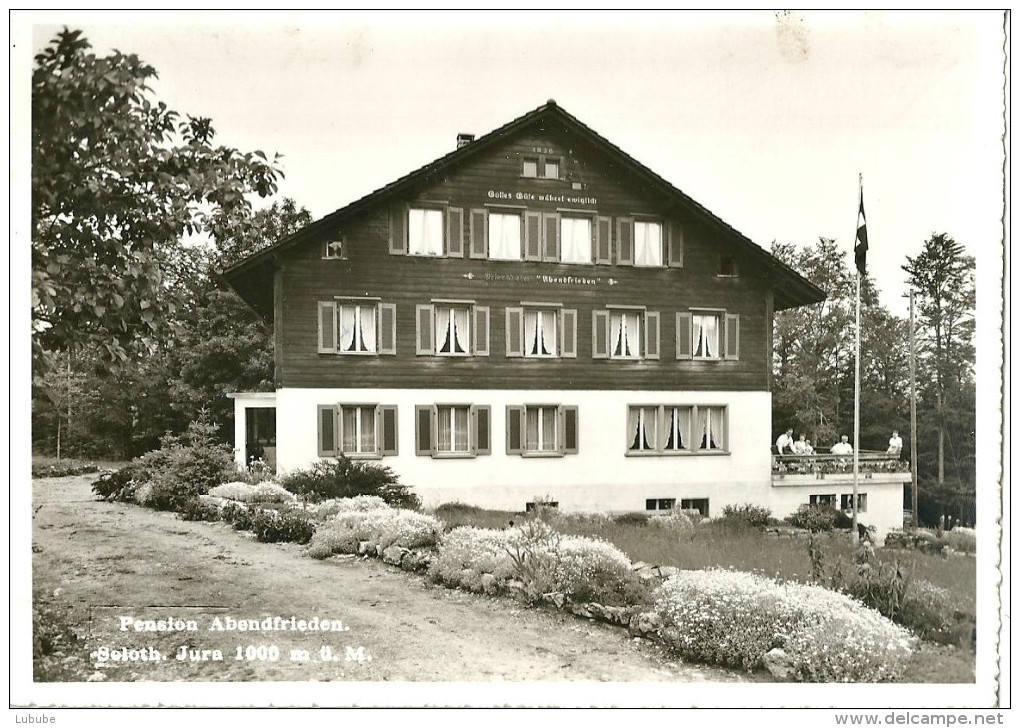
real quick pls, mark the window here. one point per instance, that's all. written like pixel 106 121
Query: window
pixel 727 266
pixel 425 231
pixel 695 504
pixel 625 333
pixel 541 430
pixel 675 429
pixel 530 167
pixel 648 244
pixel 660 504
pixel 530 506
pixel 335 249
pixel 575 240
pixel 541 166
pixel 357 326
pixel 551 168
pixel 828 499
pixel 707 335
pixel 357 430
pixel 504 236
pixel 846 502
pixel 452 328
pixel 452 430
pixel 541 330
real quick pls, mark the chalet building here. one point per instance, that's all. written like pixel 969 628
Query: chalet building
pixel 534 316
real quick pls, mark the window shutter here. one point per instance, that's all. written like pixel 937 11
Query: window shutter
pixel 625 240
pixel 600 334
pixel 732 336
pixel 398 230
pixel 481 438
pixel 481 331
pixel 327 430
pixel 569 438
pixel 426 341
pixel 568 332
pixel 684 344
pixel 327 327
pixel 455 232
pixel 551 225
pixel 533 236
pixel 651 335
pixel 479 233
pixel 423 435
pixel 674 245
pixel 604 241
pixel 514 332
pixel 387 434
pixel 387 328
pixel 514 427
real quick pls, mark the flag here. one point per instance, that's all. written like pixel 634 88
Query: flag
pixel 861 246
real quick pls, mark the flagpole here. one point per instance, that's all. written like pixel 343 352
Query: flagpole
pixel 857 380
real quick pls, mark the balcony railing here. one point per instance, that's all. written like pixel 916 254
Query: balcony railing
pixel 822 465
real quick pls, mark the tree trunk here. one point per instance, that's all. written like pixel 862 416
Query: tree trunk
pixel 942 440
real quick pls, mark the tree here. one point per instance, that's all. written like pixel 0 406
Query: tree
pixel 942 276
pixel 118 180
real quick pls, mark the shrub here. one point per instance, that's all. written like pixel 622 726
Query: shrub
pixel 466 553
pixel 675 520
pixel 383 528
pixel 752 515
pixel 120 485
pixel 334 506
pixel 197 510
pixel 592 570
pixel 183 469
pixel 259 493
pixel 270 526
pixel 636 518
pixel 817 518
pixel 346 478
pixel 45 468
pixel 258 471
pixel 926 609
pixel 961 539
pixel 734 618
pixel 239 516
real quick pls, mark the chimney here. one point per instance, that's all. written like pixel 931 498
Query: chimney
pixel 464 139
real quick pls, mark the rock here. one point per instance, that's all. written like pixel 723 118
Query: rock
pixel 644 624
pixel 379 551
pixel 778 663
pixel 96 677
pixel 363 547
pixel 638 565
pixel 581 610
pixel 393 555
pixel 555 598
pixel 647 573
pixel 667 571
pixel 617 615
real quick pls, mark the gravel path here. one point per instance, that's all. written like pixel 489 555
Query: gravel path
pixel 106 563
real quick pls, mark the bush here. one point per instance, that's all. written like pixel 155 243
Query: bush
pixel 674 520
pixel 120 485
pixel 817 518
pixel 734 618
pixel 47 468
pixel 270 526
pixel 961 539
pixel 752 515
pixel 381 528
pixel 197 510
pixel 334 506
pixel 926 609
pixel 346 478
pixel 636 518
pixel 259 493
pixel 466 553
pixel 592 570
pixel 239 516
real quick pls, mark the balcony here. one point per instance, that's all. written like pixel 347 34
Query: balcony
pixel 876 467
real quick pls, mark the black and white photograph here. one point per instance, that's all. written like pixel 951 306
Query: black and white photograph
pixel 524 359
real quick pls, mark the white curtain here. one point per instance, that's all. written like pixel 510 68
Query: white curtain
pixel 367 429
pixel 366 318
pixel 684 426
pixel 715 428
pixel 616 333
pixel 575 240
pixel 703 433
pixel 647 243
pixel 549 333
pixel 531 429
pixel 444 440
pixel 444 341
pixel 631 335
pixel 460 429
pixel 504 236
pixel 350 429
pixel 699 345
pixel 531 333
pixel 710 327
pixel 650 428
pixel 460 331
pixel 348 328
pixel 679 428
pixel 425 232
pixel 634 427
pixel 548 428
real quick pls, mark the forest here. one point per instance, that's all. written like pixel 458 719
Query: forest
pixel 135 209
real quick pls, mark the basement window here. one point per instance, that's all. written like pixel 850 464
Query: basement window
pixel 660 504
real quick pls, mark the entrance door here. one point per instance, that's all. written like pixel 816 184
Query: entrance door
pixel 260 435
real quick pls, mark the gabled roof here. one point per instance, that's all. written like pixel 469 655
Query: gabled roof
pixel 252 277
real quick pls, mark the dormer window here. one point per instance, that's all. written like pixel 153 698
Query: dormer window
pixel 551 168
pixel 335 249
pixel 530 168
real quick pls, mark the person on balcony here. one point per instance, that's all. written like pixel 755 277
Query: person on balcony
pixel 843 447
pixel 801 447
pixel 895 444
pixel 809 449
pixel 785 442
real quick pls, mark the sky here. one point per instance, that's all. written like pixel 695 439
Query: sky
pixel 766 119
